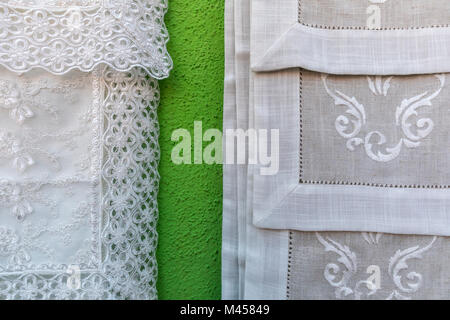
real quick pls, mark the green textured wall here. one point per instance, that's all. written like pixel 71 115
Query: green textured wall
pixel 190 197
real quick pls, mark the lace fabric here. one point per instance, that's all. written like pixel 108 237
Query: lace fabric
pixel 78 210
pixel 79 147
pixel 62 35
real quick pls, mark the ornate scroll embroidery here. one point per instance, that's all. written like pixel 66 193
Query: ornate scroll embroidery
pixel 379 85
pixel 348 259
pixel 349 124
pixel 371 237
pixel 398 262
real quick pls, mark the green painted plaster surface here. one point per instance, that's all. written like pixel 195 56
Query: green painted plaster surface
pixel 190 196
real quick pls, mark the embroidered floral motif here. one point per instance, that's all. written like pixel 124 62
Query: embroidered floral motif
pixel 61 35
pixel 8 241
pixel 349 125
pixel 12 148
pixel 107 227
pixel 20 97
pixel 19 250
pixel 53 3
pixel 10 98
pixel 11 246
pixel 22 151
pixel 366 287
pixel 27 145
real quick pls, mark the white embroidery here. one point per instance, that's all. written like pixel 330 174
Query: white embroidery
pixel 19 249
pixel 371 237
pixel 379 85
pixel 99 213
pixel 347 259
pixel 10 99
pixel 18 197
pixel 349 125
pixel 398 262
pixel 20 97
pixel 60 36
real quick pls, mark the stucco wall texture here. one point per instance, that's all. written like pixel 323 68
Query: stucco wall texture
pixel 190 196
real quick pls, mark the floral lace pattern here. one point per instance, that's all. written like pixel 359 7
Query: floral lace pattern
pixel 50 211
pixel 19 248
pixel 81 34
pixel 52 3
pixel 21 97
pixel 97 215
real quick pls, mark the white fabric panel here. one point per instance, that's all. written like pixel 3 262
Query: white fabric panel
pixel 230 243
pixel 252 280
pixel 236 116
pixel 266 260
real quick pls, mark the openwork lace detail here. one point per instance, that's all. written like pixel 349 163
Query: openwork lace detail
pixel 60 36
pixel 130 183
pixel 118 260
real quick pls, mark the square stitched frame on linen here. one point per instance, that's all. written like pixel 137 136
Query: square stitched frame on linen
pixel 360 14
pixel 374 130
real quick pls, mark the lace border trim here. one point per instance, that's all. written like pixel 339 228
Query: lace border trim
pixel 122 34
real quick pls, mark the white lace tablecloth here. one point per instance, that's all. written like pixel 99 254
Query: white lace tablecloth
pixel 79 147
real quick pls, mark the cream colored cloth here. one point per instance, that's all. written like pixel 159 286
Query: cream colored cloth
pixel 370 182
pixel 357 153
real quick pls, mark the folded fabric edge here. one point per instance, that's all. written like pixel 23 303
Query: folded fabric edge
pixel 230 244
pixel 316 216
pixel 359 52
